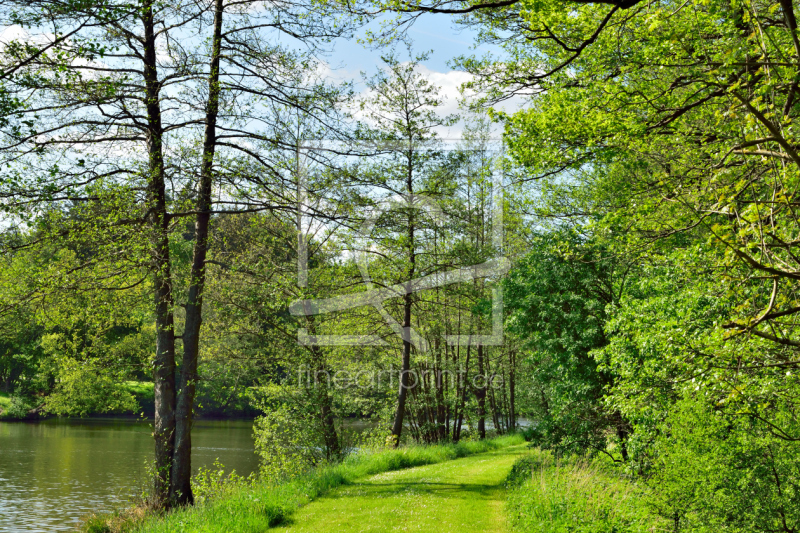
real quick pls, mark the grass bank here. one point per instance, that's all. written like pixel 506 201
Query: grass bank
pixel 5 400
pixel 255 507
pixel 575 496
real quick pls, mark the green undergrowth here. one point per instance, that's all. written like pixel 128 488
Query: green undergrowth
pixel 254 506
pixel 5 400
pixel 575 495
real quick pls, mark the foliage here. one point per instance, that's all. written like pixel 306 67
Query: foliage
pixel 287 443
pixel 17 408
pixel 723 471
pixel 558 298
pixel 211 483
pixel 84 388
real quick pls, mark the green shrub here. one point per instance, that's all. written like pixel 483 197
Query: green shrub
pixel 18 407
pixel 212 483
pixel 287 443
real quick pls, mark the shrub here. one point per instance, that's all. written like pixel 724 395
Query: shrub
pixel 18 407
pixel 287 443
pixel 212 483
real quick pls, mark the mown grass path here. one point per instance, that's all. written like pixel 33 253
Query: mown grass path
pixel 461 496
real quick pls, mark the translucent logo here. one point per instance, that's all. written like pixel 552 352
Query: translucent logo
pixel 375 295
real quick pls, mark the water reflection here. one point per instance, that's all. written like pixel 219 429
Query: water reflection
pixel 55 471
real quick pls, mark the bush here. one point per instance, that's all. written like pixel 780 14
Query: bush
pixel 287 444
pixel 18 407
pixel 212 483
pixel 575 496
pixel 86 387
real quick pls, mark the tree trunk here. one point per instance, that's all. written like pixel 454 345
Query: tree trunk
pixel 441 423
pixel 164 364
pixel 332 445
pixel 512 412
pixel 327 419
pixel 498 426
pixel 480 395
pixel 463 402
pixel 180 483
pixel 397 426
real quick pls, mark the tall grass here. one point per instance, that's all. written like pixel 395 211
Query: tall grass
pixel 576 496
pixel 252 507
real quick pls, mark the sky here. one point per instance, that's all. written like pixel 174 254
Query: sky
pixel 430 33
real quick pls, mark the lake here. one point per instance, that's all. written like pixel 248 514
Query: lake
pixel 54 472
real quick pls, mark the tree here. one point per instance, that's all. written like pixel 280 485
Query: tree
pixel 117 111
pixel 559 297
pixel 402 106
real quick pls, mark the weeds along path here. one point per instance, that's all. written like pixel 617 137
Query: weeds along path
pixel 461 496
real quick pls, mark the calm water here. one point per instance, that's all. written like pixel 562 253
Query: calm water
pixel 55 471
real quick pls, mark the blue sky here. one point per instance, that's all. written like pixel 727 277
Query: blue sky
pixel 429 32
pixel 435 33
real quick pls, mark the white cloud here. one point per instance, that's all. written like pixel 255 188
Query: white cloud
pixel 18 33
pixel 450 85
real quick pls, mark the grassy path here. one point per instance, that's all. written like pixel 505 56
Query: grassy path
pixel 462 496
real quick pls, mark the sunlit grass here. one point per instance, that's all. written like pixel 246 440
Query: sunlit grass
pixel 5 400
pixel 464 496
pixel 576 496
pixel 253 508
pixel 140 388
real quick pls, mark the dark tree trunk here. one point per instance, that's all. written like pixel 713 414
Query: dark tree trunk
pixel 498 426
pixel 463 402
pixel 512 409
pixel 480 395
pixel 402 394
pixel 622 434
pixel 327 419
pixel 440 407
pixel 164 364
pixel 447 405
pixel 331 438
pixel 504 411
pixel 180 484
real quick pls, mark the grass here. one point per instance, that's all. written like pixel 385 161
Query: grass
pixel 253 508
pixel 5 400
pixel 464 495
pixel 144 394
pixel 140 388
pixel 575 496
